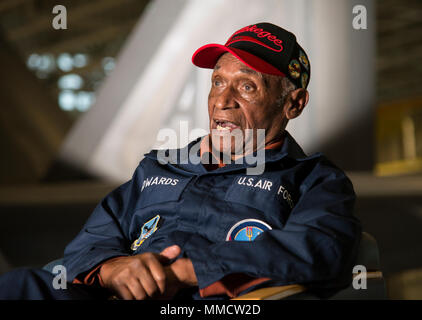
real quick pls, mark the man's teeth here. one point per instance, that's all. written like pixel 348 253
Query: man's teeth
pixel 219 127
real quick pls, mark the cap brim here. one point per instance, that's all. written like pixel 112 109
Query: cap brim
pixel 208 55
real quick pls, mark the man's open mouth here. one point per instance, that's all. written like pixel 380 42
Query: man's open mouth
pixel 225 125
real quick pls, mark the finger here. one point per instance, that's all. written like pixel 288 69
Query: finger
pixel 157 272
pixel 171 252
pixel 148 282
pixel 136 289
pixel 124 293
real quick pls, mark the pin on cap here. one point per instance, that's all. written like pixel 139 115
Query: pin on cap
pixel 264 47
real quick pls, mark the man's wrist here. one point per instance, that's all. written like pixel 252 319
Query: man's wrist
pixel 102 273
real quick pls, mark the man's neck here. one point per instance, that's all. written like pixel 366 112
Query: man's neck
pixel 207 151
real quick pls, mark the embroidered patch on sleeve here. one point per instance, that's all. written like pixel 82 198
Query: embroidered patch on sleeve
pixel 147 230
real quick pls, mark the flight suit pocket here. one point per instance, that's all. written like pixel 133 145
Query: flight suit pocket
pixel 264 194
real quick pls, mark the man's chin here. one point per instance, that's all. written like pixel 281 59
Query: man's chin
pixel 238 143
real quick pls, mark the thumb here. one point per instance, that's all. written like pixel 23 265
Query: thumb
pixel 171 252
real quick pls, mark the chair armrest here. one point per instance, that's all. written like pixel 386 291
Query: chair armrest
pixel 272 293
pixel 281 292
pixel 374 275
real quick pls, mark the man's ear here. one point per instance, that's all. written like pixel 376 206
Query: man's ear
pixel 296 102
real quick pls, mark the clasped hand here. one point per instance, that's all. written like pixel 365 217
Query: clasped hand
pixel 148 275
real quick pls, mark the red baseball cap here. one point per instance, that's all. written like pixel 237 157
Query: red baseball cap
pixel 264 47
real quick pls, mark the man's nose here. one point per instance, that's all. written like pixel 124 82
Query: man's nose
pixel 226 100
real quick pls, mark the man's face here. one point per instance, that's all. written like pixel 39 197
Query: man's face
pixel 241 98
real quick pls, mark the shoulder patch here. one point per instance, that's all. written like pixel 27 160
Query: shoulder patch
pixel 147 230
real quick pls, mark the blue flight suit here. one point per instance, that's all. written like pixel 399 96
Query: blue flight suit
pixel 298 215
pixel 293 223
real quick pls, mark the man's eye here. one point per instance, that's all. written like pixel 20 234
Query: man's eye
pixel 248 87
pixel 217 83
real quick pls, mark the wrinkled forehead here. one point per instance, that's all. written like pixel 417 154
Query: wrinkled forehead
pixel 228 58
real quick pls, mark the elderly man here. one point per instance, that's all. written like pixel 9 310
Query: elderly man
pixel 210 229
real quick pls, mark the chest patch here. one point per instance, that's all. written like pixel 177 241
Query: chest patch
pixel 247 230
